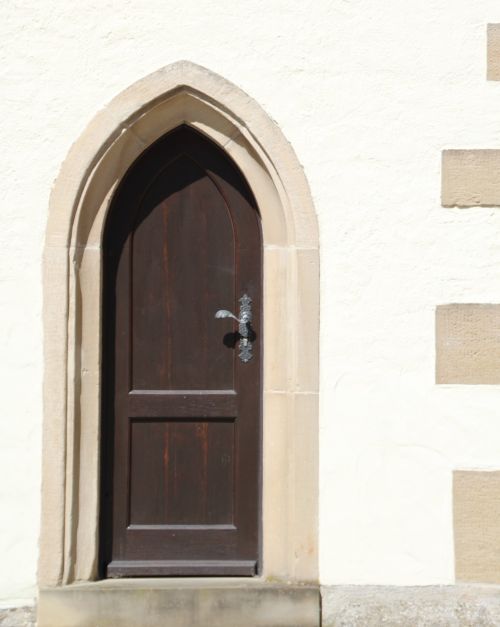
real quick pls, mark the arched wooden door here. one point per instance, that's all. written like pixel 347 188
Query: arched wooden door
pixel 181 410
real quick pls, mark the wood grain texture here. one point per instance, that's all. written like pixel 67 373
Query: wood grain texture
pixel 181 412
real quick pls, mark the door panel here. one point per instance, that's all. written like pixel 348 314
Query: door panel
pixel 191 466
pixel 183 259
pixel 181 413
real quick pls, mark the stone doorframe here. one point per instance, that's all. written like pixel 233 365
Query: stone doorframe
pixel 180 93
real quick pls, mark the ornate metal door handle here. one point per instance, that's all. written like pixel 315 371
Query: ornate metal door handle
pixel 244 326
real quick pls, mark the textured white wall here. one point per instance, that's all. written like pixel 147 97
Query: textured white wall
pixel 368 92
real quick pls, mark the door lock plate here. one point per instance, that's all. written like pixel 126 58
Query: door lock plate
pixel 244 329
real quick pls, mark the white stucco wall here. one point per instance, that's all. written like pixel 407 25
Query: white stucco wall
pixel 368 93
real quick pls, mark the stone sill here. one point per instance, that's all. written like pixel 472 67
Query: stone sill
pixel 175 602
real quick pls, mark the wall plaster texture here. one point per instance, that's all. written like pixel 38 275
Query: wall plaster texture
pixel 368 98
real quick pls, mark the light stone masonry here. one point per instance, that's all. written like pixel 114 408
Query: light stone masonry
pixel 470 178
pixel 476 522
pixel 493 59
pixel 468 344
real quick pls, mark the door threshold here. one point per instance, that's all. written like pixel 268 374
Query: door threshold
pixel 180 602
pixel 176 582
pixel 181 568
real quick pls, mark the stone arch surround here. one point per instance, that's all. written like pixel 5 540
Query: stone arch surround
pixel 179 93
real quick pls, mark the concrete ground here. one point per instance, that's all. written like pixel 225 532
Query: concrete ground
pixel 18 617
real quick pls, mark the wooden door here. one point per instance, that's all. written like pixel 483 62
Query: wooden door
pixel 181 412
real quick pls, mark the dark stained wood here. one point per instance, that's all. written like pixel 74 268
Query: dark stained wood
pixel 181 414
pixel 189 481
pixel 184 568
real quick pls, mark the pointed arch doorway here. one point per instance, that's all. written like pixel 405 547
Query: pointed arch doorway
pixel 180 94
pixel 181 389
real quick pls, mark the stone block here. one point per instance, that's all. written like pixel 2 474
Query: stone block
pixel 468 344
pixel 493 54
pixel 180 603
pixel 470 178
pixel 476 522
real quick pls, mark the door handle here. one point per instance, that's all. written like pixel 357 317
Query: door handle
pixel 244 330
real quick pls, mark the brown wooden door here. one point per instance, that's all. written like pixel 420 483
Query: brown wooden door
pixel 181 412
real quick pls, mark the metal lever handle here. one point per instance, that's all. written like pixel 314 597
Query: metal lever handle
pixel 224 313
pixel 244 326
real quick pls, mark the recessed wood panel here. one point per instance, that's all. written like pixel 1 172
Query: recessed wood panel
pixel 187 467
pixel 183 260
